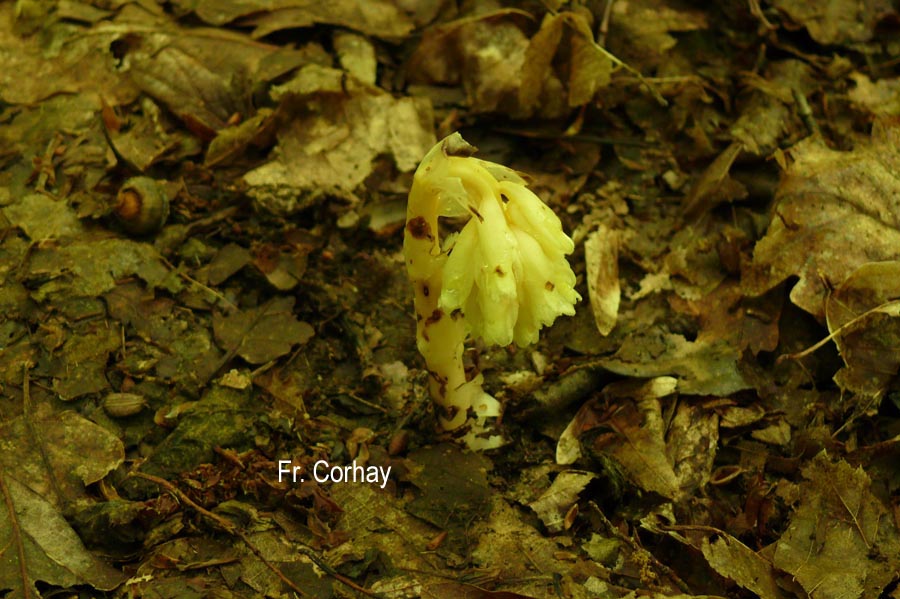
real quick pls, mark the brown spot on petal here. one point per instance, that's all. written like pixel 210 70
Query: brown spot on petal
pixel 456 314
pixel 436 316
pixel 441 381
pixel 419 228
pixel 425 291
pixel 450 412
pixel 499 271
pixel 549 286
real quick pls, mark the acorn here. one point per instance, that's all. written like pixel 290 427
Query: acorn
pixel 122 405
pixel 142 205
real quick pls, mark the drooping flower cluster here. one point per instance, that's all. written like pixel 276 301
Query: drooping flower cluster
pixel 501 278
pixel 507 269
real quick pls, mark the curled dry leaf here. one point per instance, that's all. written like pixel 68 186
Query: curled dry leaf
pixel 589 67
pixel 553 505
pixel 601 253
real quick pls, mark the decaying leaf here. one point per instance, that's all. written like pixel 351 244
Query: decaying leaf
pixel 842 541
pixel 769 117
pixel 559 68
pixel 230 259
pixel 644 29
pixel 453 489
pixel 80 367
pixel 330 147
pixel 828 202
pixel 601 254
pixel 636 439
pixel 732 559
pixel 262 334
pixel 556 503
pixel 692 441
pixel 45 464
pixel 91 266
pixel 703 366
pixel 589 68
pixel 870 344
pixel 40 546
pixel 57 455
pixel 381 18
pixel 880 98
pixel 837 22
pixel 30 75
pixel 42 218
pixel 221 418
pixel 484 53
pixel 715 185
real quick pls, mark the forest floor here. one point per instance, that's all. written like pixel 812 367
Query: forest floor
pixel 203 291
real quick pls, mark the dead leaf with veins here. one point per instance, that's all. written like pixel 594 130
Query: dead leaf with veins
pixel 827 202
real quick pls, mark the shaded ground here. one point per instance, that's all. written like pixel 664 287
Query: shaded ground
pixel 720 417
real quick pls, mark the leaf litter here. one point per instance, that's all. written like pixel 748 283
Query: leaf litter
pixel 720 417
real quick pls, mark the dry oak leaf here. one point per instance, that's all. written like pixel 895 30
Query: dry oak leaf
pixel 835 211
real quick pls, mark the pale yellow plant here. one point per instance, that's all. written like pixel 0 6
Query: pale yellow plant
pixel 502 278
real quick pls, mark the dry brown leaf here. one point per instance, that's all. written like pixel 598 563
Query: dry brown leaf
pixel 330 147
pixel 32 72
pixel 484 53
pixel 39 545
pixel 640 30
pixel 827 204
pixel 589 69
pixel 691 442
pixel 842 541
pixel 45 463
pixel 769 120
pixel 637 439
pixel 732 559
pixel 879 98
pixel 638 443
pixel 556 502
pixel 262 334
pixel 601 254
pixel 537 68
pixel 703 366
pixel 715 185
pixel 837 21
pixel 870 345
pixel 379 18
pixel 501 70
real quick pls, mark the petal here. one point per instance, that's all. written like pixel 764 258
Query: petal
pixel 528 213
pixel 496 279
pixel 459 275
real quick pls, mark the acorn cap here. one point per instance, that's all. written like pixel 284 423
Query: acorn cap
pixel 142 205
